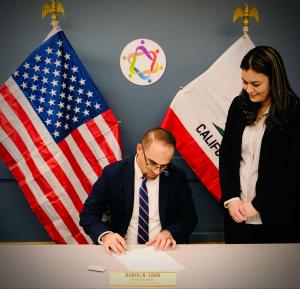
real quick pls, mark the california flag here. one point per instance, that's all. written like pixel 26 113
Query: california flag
pixel 198 113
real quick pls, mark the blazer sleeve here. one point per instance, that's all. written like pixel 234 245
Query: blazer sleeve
pixel 228 159
pixel 94 206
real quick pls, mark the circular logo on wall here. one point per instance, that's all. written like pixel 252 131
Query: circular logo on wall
pixel 143 61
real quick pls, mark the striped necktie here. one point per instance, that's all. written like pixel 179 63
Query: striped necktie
pixel 143 225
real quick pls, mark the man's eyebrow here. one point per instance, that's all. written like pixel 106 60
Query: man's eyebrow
pixel 157 163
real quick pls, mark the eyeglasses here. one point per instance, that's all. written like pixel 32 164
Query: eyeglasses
pixel 152 165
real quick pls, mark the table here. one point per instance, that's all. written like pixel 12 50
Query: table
pixel 208 266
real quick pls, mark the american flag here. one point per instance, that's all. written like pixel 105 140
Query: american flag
pixel 57 133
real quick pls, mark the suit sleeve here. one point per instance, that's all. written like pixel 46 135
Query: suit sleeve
pixel 94 206
pixel 228 165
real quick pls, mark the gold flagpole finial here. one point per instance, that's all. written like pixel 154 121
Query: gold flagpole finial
pixel 245 14
pixel 55 7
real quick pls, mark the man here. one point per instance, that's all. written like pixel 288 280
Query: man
pixel 149 199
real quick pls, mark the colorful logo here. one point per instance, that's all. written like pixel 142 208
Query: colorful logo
pixel 143 61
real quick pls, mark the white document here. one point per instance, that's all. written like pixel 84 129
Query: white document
pixel 149 260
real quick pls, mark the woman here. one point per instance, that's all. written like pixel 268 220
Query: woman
pixel 260 155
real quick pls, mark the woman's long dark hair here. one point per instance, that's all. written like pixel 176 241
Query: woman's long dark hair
pixel 266 60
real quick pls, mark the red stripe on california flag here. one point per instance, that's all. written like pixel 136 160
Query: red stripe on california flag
pixel 86 151
pixel 47 190
pixel 45 153
pixel 36 208
pixel 101 141
pixel 111 121
pixel 86 184
pixel 193 154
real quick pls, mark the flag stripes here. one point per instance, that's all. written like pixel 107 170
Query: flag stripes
pixel 55 180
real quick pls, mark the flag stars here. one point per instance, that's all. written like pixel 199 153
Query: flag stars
pixel 47 60
pixel 55 73
pixel 25 75
pixel 59 43
pixel 86 112
pixel 51 102
pixel 26 65
pixel 76 109
pixel 74 69
pixel 37 58
pixel 49 50
pixel 71 88
pixel 80 91
pixel 66 66
pixel 43 90
pixel 24 85
pixel 61 104
pixel 32 97
pixel 59 114
pixel 56 133
pixel 42 99
pixel 54 82
pixel 36 68
pixel 68 107
pixel 73 78
pixel 16 73
pixel 66 126
pixel 97 105
pixel 65 76
pixel 70 97
pixel 46 70
pixel 58 53
pixel 34 78
pixel 62 95
pixel 34 87
pixel 88 103
pixel 90 94
pixel 82 81
pixel 50 111
pixel 63 85
pixel 78 100
pixel 40 109
pixel 45 80
pixel 48 121
pixel 58 124
pixel 67 56
pixel 75 119
pixel 57 63
pixel 53 92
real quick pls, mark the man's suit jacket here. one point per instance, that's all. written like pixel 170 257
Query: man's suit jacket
pixel 278 185
pixel 115 189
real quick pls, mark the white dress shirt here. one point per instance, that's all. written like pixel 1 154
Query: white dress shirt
pixel 153 198
pixel 250 155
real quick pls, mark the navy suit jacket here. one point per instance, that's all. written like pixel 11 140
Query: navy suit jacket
pixel 278 185
pixel 115 190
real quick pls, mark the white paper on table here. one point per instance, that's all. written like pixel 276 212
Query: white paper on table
pixel 149 260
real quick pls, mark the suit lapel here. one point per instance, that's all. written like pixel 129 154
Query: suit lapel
pixel 164 188
pixel 128 181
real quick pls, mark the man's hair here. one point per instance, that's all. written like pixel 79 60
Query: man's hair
pixel 158 134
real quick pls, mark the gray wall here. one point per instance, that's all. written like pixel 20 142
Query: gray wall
pixel 192 33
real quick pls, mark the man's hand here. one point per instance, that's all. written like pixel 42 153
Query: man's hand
pixel 237 211
pixel 163 241
pixel 250 210
pixel 113 242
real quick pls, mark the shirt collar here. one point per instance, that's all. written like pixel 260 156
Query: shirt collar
pixel 137 170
